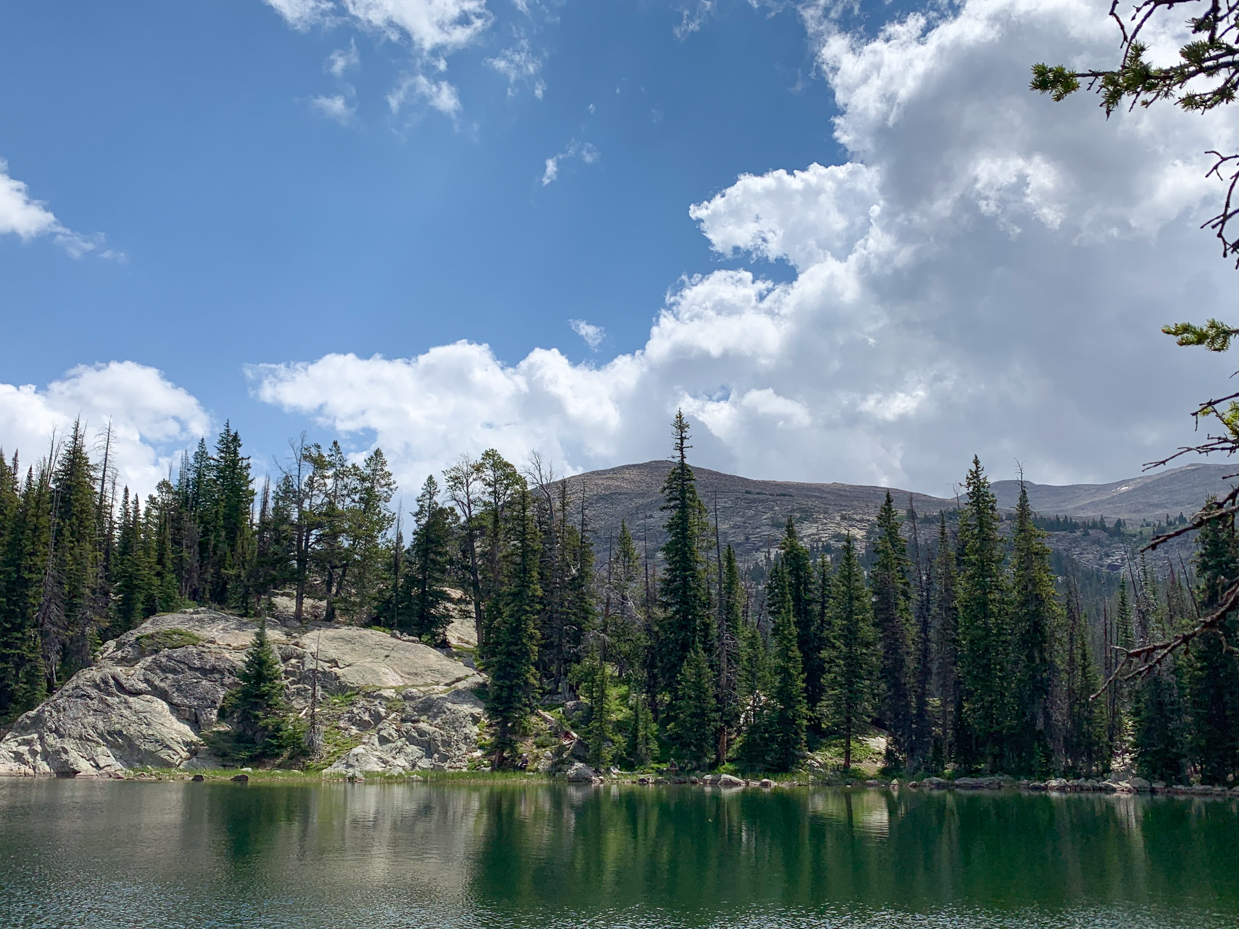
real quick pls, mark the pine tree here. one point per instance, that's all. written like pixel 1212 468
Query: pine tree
pixel 643 743
pixel 600 730
pixel 425 606
pixel 984 639
pixel 1211 668
pixel 1084 731
pixel 944 620
pixel 923 666
pixel 1034 613
pixel 70 609
pixel 851 659
pixel 892 617
pixel 692 716
pixel 24 548
pixel 731 618
pixel 261 725
pixel 511 648
pixel 1160 722
pixel 786 712
pixel 682 592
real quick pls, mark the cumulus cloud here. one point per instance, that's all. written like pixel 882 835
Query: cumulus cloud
pixel 30 219
pixel 985 273
pixel 151 418
pixel 520 65
pixel 591 334
pixel 334 107
pixel 586 152
pixel 429 25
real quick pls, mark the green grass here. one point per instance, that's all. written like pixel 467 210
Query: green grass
pixel 166 639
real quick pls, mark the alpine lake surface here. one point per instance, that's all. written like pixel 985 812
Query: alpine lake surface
pixel 105 854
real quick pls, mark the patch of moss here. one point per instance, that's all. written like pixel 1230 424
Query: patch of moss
pixel 165 639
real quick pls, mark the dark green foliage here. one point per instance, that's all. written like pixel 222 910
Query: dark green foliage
pixel 892 616
pixel 1211 666
pixel 511 648
pixel 600 730
pixel 683 593
pixel 944 622
pixel 692 716
pixel 1034 613
pixel 1160 726
pixel 851 662
pixel 776 741
pixel 261 726
pixel 424 605
pixel 984 641
pixel 1084 729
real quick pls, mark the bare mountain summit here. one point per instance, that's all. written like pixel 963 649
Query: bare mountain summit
pixel 752 514
pixel 1151 496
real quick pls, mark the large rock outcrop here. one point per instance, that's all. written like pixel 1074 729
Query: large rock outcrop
pixel 398 705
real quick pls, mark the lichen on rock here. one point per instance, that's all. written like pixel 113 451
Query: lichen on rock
pixel 155 690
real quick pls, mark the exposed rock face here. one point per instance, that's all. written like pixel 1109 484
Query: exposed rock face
pixel 154 690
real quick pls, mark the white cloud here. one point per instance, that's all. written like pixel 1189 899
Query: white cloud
pixel 692 20
pixel 439 95
pixel 587 152
pixel 591 334
pixel 301 14
pixel 431 25
pixel 986 272
pixel 151 418
pixel 334 107
pixel 30 219
pixel 342 59
pixel 520 66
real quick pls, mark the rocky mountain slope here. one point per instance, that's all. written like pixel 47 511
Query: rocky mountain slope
pixel 390 704
pixel 752 514
pixel 1152 496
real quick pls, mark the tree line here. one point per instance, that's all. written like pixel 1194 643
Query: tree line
pixel 955 640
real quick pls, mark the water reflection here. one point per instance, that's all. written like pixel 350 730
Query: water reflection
pixel 124 854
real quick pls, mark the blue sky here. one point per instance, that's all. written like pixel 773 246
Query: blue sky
pixel 243 219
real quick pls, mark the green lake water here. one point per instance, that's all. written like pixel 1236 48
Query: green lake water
pixel 125 854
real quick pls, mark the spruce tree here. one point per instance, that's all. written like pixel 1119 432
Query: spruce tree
pixel 683 593
pixel 983 634
pixel 786 712
pixel 923 666
pixel 1211 667
pixel 850 660
pixel 1159 724
pixel 892 617
pixel 1034 613
pixel 692 716
pixel 425 608
pixel 600 730
pixel 23 559
pixel 260 721
pixel 944 620
pixel 1084 730
pixel 511 648
pixel 801 583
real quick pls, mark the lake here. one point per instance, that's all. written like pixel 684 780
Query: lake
pixel 172 854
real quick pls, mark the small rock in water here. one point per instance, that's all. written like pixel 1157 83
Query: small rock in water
pixel 581 773
pixel 766 783
pixel 197 778
pixel 729 781
pixel 241 778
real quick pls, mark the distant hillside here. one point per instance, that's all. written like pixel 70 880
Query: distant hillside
pixel 752 514
pixel 1151 496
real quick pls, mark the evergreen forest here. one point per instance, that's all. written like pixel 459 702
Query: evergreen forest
pixel 952 641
